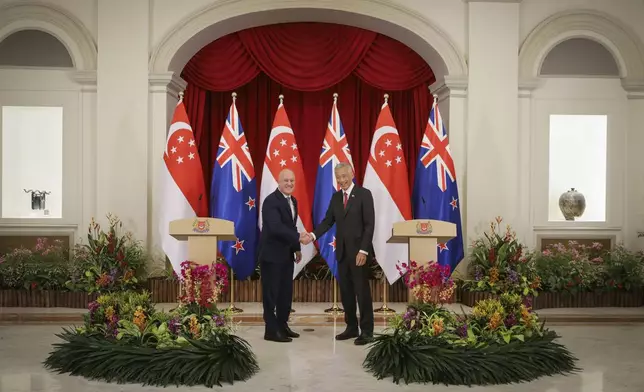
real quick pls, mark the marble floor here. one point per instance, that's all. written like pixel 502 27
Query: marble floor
pixel 610 355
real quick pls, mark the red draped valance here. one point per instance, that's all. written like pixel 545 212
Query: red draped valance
pixel 307 57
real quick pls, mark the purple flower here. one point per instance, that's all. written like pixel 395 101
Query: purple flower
pixel 527 302
pixel 510 321
pixel 93 306
pixel 462 330
pixel 513 277
pixel 478 274
pixel 174 325
pixel 219 321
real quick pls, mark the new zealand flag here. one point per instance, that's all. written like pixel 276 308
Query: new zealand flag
pixel 233 196
pixel 335 149
pixel 435 194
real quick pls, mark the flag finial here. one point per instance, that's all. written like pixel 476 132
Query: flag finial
pixel 386 98
pixel 435 97
pixel 181 96
pixel 335 97
pixel 281 97
pixel 234 94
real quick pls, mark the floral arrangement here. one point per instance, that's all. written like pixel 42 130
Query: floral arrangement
pixel 578 267
pixel 502 341
pixel 498 263
pixel 130 317
pixel 111 260
pixel 430 283
pixel 203 285
pixel 43 267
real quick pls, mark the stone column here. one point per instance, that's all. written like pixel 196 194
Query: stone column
pixel 492 121
pixel 122 112
pixel 634 214
pixel 525 220
pixel 87 107
pixel 164 94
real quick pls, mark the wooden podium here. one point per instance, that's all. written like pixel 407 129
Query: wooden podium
pixel 202 235
pixel 423 237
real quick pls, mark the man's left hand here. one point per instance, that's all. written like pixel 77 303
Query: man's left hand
pixel 298 256
pixel 361 259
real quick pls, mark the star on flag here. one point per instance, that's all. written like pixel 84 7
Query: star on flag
pixel 239 246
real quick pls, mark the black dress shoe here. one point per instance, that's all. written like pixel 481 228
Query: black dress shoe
pixel 290 333
pixel 363 339
pixel 277 337
pixel 346 335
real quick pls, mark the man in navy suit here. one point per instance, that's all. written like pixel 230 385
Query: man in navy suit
pixel 351 209
pixel 279 247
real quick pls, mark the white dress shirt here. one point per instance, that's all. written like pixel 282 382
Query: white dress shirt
pixel 348 193
pixel 290 203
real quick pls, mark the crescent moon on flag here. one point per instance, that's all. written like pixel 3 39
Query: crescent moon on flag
pixel 174 127
pixel 380 132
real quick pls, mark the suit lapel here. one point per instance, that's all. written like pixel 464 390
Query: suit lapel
pixel 294 208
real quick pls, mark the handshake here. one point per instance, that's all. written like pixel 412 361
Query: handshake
pixel 306 238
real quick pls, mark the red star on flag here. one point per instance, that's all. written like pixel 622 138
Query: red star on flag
pixel 250 203
pixel 442 247
pixel 454 203
pixel 239 246
pixel 332 243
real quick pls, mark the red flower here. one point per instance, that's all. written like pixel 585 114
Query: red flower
pixel 34 285
pixel 491 256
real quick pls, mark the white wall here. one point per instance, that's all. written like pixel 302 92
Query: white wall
pixel 118 129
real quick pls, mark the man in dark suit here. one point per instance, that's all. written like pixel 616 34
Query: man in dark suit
pixel 352 211
pixel 279 247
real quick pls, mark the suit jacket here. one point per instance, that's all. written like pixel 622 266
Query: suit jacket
pixel 354 225
pixel 279 239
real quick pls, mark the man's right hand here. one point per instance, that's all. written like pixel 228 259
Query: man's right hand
pixel 306 238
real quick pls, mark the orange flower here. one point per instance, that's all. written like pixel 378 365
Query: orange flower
pixel 494 275
pixel 438 326
pixel 495 321
pixel 139 318
pixel 194 327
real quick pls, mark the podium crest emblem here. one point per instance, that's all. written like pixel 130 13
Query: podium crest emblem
pixel 424 227
pixel 200 226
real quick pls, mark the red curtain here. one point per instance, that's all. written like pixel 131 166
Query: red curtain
pixel 307 63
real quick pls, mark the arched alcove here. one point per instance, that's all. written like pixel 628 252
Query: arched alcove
pixel 623 44
pixel 579 57
pixel 66 28
pixel 224 17
pixel 34 48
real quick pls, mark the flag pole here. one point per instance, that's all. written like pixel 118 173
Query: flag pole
pixel 384 308
pixel 232 306
pixel 281 98
pixel 335 309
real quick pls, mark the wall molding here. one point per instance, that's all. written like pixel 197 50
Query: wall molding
pixel 69 30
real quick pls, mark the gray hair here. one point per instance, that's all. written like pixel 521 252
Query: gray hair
pixel 343 165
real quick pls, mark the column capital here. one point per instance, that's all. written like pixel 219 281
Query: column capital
pixel 527 86
pixel 634 88
pixel 450 86
pixel 87 80
pixel 492 1
pixel 166 82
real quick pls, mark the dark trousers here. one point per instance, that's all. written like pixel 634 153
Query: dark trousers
pixel 277 292
pixel 354 281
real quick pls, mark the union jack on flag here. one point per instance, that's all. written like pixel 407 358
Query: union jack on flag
pixel 335 149
pixel 233 195
pixel 435 194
